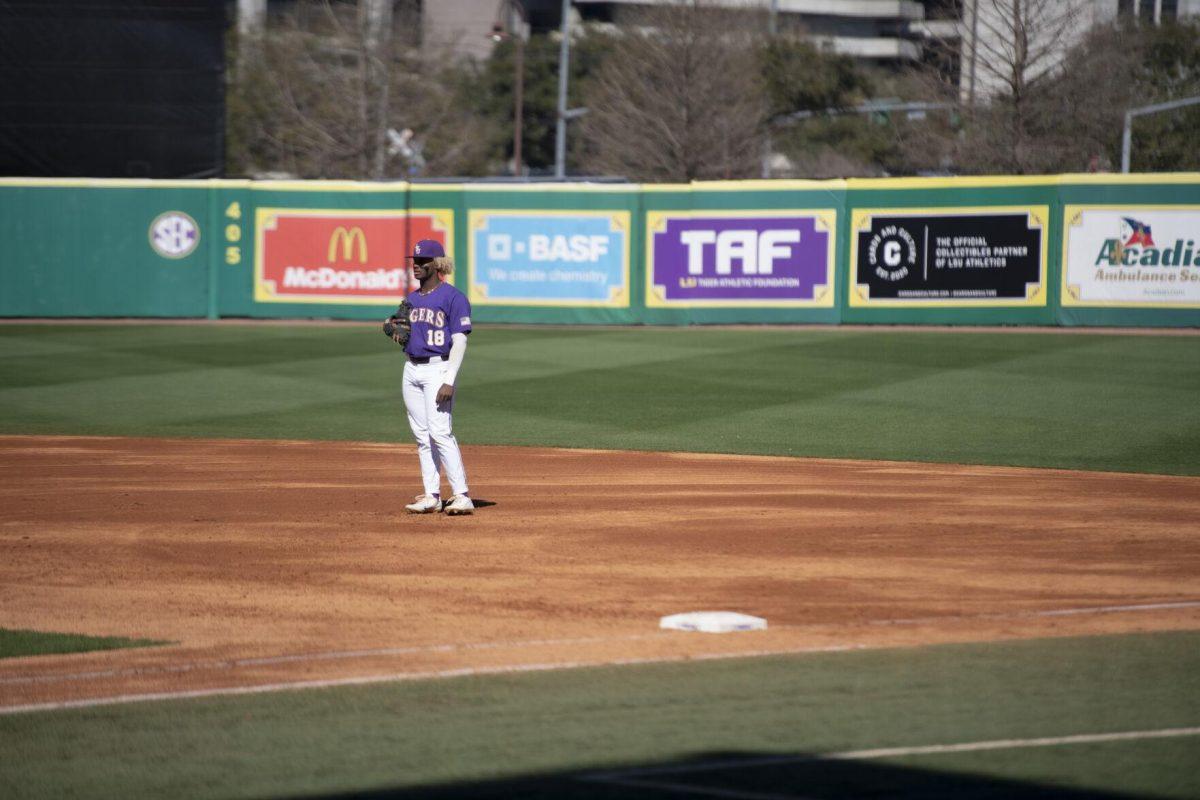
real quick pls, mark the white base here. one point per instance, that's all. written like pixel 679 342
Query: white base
pixel 713 622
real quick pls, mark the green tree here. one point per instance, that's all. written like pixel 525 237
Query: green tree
pixel 1168 69
pixel 801 78
pixel 540 92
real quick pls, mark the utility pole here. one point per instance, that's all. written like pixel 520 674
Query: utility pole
pixel 768 145
pixel 974 52
pixel 564 65
pixel 375 21
pixel 513 27
pixel 518 102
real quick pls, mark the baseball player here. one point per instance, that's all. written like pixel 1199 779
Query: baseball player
pixel 439 319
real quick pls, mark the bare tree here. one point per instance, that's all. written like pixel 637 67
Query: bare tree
pixel 679 96
pixel 1015 54
pixel 1011 44
pixel 1013 57
pixel 328 97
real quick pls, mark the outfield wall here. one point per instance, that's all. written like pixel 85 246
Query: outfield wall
pixel 1044 250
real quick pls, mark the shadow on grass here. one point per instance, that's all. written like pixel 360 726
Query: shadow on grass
pixel 746 776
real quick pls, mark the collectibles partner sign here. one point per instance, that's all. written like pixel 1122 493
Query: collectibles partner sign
pixel 949 257
pixel 1131 256
pixel 550 258
pixel 340 256
pixel 720 259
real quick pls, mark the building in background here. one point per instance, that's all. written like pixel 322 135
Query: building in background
pixel 988 28
pixel 963 38
pixel 874 30
pixel 1157 11
pixel 465 26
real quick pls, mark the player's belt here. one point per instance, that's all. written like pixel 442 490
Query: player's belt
pixel 425 359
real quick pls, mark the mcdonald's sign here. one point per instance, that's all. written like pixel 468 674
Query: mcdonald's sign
pixel 338 256
pixel 346 239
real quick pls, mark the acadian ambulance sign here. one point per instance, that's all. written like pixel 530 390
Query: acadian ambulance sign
pixel 549 258
pixel 1131 256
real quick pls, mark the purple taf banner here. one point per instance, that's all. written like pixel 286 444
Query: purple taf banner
pixel 720 259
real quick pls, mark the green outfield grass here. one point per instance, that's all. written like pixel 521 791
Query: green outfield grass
pixel 15 643
pixel 1102 402
pixel 532 735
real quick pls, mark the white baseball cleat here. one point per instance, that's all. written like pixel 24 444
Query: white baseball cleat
pixel 425 504
pixel 459 504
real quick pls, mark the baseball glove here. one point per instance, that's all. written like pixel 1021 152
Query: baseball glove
pixel 397 327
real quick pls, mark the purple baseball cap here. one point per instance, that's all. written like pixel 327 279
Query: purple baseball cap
pixel 428 248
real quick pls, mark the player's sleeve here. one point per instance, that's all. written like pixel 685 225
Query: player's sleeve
pixel 460 314
pixel 458 349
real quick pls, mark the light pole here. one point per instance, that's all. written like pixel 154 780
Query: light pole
pixel 514 17
pixel 1127 134
pixel 564 114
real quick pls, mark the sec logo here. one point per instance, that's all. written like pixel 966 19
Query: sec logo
pixel 174 234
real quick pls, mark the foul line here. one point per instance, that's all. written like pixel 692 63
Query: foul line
pixel 636 778
pixel 404 676
pixel 1058 612
pixel 339 655
pixel 332 655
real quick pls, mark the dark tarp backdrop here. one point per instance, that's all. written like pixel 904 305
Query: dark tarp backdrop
pixel 112 88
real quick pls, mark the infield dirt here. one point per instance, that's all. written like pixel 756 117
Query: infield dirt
pixel 274 562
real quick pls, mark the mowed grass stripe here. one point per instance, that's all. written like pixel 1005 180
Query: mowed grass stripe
pixel 1098 402
pixel 534 735
pixel 16 642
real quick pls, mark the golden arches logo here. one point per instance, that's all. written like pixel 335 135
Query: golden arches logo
pixel 347 238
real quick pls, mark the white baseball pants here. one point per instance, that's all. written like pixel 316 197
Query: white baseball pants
pixel 432 427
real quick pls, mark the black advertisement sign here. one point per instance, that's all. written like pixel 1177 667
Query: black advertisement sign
pixel 947 258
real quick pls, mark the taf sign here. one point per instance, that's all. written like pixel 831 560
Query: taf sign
pixel 345 257
pixel 719 259
pixel 549 258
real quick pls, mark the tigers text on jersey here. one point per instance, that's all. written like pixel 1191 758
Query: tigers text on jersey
pixel 435 317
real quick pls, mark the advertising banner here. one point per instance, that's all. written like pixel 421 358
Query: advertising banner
pixel 1131 256
pixel 549 258
pixel 948 257
pixel 338 256
pixel 721 259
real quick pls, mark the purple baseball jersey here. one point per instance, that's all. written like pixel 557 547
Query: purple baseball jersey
pixel 435 318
